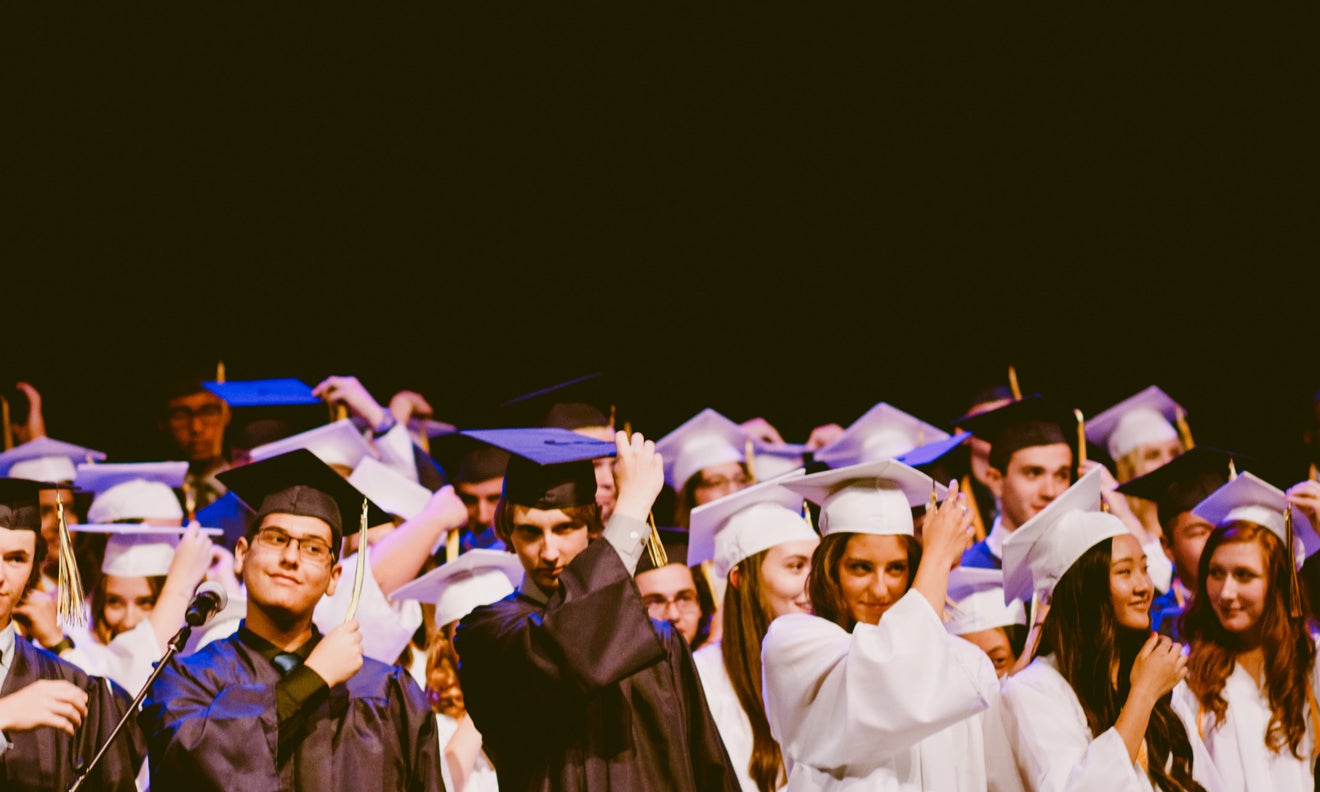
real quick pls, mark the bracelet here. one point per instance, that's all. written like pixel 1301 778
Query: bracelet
pixel 64 644
pixel 389 423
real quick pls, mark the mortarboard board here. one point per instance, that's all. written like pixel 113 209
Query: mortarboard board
pixel 870 498
pixel 883 432
pixel 468 460
pixel 20 504
pixel 1253 499
pixel 1180 484
pixel 478 577
pixel 772 460
pixel 1141 419
pixel 708 438
pixel 1046 546
pixel 978 602
pixel 44 459
pixel 583 402
pixel 548 468
pixel 1027 422
pixel 284 392
pixel 297 482
pixel 393 492
pixel 338 443
pixel 930 453
pixel 132 491
pixel 744 523
pixel 137 550
pixel 230 514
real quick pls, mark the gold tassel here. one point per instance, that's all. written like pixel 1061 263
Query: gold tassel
pixel 1232 470
pixel 338 411
pixel 189 502
pixel 1313 475
pixel 751 460
pixel 806 515
pixel 627 428
pixel 654 547
pixel 69 602
pixel 612 417
pixel 1184 431
pixel 1295 606
pixel 1013 384
pixel 978 525
pixel 361 564
pixel 4 415
pixel 1081 439
pixel 220 371
pixel 451 546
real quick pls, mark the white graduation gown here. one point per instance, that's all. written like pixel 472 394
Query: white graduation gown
pixel 1238 744
pixel 127 659
pixel 885 707
pixel 730 718
pixel 1054 746
pixel 481 779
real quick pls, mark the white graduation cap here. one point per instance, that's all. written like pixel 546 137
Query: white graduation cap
pixel 1138 420
pixel 132 491
pixel 1043 548
pixel 477 577
pixel 771 460
pixel 390 490
pixel 883 432
pixel 337 443
pixel 136 550
pixel 1249 498
pixel 869 498
pixel 46 460
pixel 705 439
pixel 978 597
pixel 746 522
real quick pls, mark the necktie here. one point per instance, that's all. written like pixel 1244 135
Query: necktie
pixel 286 662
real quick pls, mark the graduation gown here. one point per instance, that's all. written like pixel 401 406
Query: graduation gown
pixel 889 706
pixel 1056 750
pixel 586 691
pixel 734 725
pixel 42 759
pixel 211 724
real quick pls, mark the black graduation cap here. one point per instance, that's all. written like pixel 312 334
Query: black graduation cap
pixel 20 504
pixel 675 541
pixel 588 400
pixel 467 459
pixel 297 482
pixel 1183 482
pixel 549 468
pixel 1030 421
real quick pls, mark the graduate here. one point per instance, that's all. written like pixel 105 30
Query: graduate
pixel 762 546
pixel 570 683
pixel 677 593
pixel 278 705
pixel 1252 674
pixel 52 462
pixel 51 713
pixel 871 692
pixel 1093 710
pixel 978 614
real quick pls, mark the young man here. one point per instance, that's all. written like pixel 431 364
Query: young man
pixel 51 713
pixel 570 683
pixel 278 705
pixel 477 472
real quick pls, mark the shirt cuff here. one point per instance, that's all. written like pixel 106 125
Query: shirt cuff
pixel 301 687
pixel 4 744
pixel 628 537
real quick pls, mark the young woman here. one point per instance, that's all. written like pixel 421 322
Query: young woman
pixel 1093 709
pixel 871 692
pixel 1253 673
pixel 760 543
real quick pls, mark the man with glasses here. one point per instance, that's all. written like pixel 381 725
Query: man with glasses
pixel 195 420
pixel 278 705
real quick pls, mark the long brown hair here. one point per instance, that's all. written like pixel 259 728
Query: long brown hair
pixel 1095 655
pixel 1286 644
pixel 823 581
pixel 747 617
pixel 442 687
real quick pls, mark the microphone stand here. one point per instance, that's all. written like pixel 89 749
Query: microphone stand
pixel 176 644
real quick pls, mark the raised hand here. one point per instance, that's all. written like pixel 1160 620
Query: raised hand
pixel 639 475
pixel 339 654
pixel 947 530
pixel 352 394
pixel 1159 667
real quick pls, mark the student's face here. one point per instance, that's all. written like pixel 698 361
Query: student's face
pixel 670 594
pixel 17 554
pixel 546 541
pixel 1153 455
pixel 50 521
pixel 1237 586
pixel 784 576
pixel 197 424
pixel 873 575
pixel 1189 533
pixel 1036 475
pixel 128 600
pixel 716 481
pixel 480 498
pixel 1130 589
pixel 994 642
pixel 282 581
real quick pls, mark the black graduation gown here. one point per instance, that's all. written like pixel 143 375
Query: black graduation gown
pixel 587 691
pixel 210 722
pixel 43 758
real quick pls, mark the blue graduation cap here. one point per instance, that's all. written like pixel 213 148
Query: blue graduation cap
pixel 228 513
pixel 284 392
pixel 932 452
pixel 548 468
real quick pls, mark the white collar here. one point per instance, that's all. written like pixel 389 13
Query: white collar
pixel 994 541
pixel 7 646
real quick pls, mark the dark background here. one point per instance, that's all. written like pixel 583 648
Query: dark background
pixel 792 212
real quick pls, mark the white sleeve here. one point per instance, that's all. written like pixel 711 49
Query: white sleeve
pixel 396 451
pixel 386 627
pixel 628 538
pixel 127 659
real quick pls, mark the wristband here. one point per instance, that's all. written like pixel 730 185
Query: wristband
pixel 64 644
pixel 385 426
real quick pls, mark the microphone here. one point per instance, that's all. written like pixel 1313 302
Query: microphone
pixel 209 599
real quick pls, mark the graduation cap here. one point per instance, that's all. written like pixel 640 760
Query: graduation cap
pixel 1027 422
pixel 870 498
pixel 44 459
pixel 20 504
pixel 930 453
pixel 548 468
pixel 585 402
pixel 1142 419
pixel 456 588
pixel 266 409
pixel 772 460
pixel 1046 546
pixel 708 438
pixel 137 550
pixel 20 509
pixel 744 523
pixel 466 459
pixel 395 493
pixel 1253 499
pixel 230 514
pixel 132 491
pixel 1180 484
pixel 978 602
pixel 883 432
pixel 297 482
pixel 282 392
pixel 338 443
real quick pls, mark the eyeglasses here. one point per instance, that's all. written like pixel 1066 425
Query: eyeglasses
pixel 311 548
pixel 208 413
pixel 723 482
pixel 685 601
